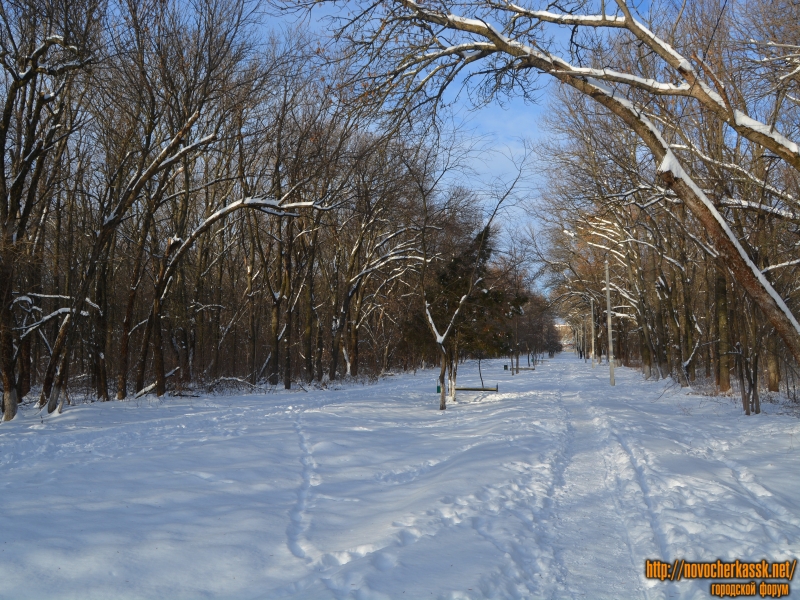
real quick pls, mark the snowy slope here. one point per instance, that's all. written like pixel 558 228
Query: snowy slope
pixel 557 487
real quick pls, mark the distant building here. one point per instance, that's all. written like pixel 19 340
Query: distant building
pixel 566 336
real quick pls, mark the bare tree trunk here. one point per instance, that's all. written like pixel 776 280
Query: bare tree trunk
pixel 251 301
pixel 755 400
pixel 308 326
pixel 740 371
pixel 724 345
pixel 287 354
pixel 661 336
pixel 689 353
pixel 158 349
pixel 773 365
pixel 274 362
pixel 24 378
pixel 287 293
pixel 180 345
pixel 675 349
pixel 442 386
pixel 452 369
pixel 216 322
pixel 355 317
pixel 100 333
pixel 711 333
pixel 60 383
pixel 127 323
pixel 320 348
pixel 354 349
pixel 10 399
pixel 336 343
pixel 140 370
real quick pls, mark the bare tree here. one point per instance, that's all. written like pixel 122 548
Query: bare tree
pixel 412 52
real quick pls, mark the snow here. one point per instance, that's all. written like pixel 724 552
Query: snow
pixel 653 85
pixel 558 487
pixel 788 263
pixel 742 120
pixel 588 20
pixel 780 212
pixel 671 164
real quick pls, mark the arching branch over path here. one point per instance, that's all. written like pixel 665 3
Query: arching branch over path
pixel 412 52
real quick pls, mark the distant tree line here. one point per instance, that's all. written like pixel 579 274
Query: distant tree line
pixel 187 200
pixel 675 157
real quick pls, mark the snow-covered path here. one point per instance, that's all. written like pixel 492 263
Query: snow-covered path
pixel 559 486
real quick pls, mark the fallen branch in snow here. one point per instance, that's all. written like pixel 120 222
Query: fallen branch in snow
pixel 152 386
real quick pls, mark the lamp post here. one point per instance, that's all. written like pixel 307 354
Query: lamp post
pixel 591 300
pixel 583 340
pixel 610 338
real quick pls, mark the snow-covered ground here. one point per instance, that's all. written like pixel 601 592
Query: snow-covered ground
pixel 559 486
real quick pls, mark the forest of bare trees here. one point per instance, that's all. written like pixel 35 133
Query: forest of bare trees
pixel 190 198
pixel 195 196
pixel 682 306
pixel 670 152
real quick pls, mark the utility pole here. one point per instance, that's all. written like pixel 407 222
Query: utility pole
pixel 583 341
pixel 610 338
pixel 591 299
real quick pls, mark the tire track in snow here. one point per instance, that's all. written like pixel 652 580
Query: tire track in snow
pixel 636 464
pixel 670 507
pixel 762 498
pixel 529 499
pixel 638 550
pixel 522 498
pixel 635 498
pixel 564 458
pixel 633 541
pixel 591 476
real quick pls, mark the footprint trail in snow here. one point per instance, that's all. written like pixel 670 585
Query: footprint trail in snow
pixel 558 487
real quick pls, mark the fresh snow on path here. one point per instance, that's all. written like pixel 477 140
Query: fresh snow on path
pixel 559 486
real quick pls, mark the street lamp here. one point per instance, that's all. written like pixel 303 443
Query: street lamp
pixel 610 338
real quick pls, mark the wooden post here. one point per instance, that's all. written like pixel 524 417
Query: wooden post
pixel 610 338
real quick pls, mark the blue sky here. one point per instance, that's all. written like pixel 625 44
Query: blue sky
pixel 501 126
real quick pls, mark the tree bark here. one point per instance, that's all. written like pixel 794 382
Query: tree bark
pixel 773 366
pixel 10 399
pixel 442 386
pixel 320 348
pixel 127 322
pixel 723 330
pixel 286 291
pixel 158 349
pixel 308 326
pixel 274 361
pixel 100 331
pixel 140 370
